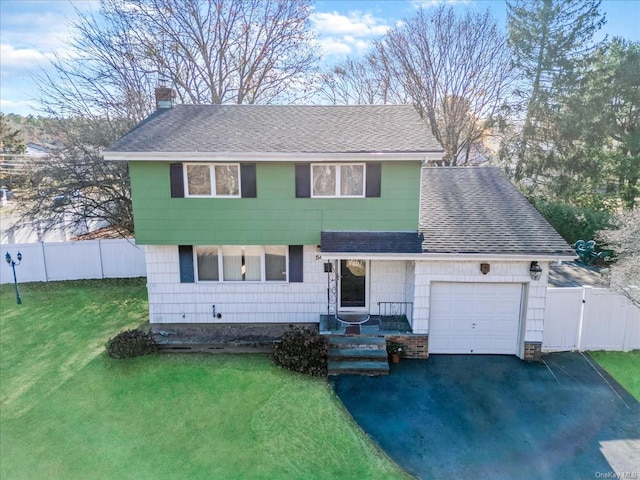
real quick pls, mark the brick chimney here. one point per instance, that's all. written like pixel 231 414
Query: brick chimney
pixel 164 97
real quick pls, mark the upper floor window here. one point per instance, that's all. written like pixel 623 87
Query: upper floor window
pixel 338 180
pixel 212 180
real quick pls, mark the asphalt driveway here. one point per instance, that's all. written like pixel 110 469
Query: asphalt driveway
pixel 497 417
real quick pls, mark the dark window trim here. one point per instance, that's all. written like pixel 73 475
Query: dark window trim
pixel 373 180
pixel 185 258
pixel 248 180
pixel 303 180
pixel 296 264
pixel 176 180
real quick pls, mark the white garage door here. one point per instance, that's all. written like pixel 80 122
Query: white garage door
pixel 475 318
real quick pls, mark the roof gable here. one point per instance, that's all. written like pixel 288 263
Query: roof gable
pixel 281 129
pixel 478 210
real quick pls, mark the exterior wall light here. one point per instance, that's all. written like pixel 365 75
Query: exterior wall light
pixel 13 264
pixel 485 268
pixel 535 271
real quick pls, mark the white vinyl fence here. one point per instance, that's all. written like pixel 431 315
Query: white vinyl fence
pixel 587 318
pixel 45 262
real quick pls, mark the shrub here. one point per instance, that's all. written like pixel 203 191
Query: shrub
pixel 302 350
pixel 131 343
pixel 573 223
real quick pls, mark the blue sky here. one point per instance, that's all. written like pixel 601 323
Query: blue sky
pixel 32 31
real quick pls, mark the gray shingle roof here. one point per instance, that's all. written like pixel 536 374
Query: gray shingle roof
pixel 478 210
pixel 575 274
pixel 371 242
pixel 282 129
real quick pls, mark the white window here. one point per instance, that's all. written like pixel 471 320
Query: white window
pixel 337 180
pixel 212 180
pixel 275 263
pixel 242 264
pixel 208 265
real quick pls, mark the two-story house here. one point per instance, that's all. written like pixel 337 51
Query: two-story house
pixel 255 217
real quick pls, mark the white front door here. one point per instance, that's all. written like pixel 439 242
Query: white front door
pixel 475 318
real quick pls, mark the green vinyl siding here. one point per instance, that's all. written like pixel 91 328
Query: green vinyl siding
pixel 275 217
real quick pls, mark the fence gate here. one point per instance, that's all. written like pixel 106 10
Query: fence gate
pixel 587 318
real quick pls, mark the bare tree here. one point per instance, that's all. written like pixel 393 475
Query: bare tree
pixel 75 187
pixel 208 51
pixel 456 70
pixel 624 276
pixel 361 82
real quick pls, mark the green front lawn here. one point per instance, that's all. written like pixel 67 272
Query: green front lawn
pixel 623 366
pixel 68 411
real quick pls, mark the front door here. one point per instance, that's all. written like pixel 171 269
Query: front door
pixel 353 285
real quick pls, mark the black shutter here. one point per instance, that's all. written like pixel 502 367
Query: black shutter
pixel 248 180
pixel 373 179
pixel 295 263
pixel 185 253
pixel 303 180
pixel 177 180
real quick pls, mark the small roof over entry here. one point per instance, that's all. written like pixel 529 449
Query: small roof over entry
pixel 371 242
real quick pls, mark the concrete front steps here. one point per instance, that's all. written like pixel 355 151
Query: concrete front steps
pixel 358 355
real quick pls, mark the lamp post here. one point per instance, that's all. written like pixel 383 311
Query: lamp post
pixel 13 264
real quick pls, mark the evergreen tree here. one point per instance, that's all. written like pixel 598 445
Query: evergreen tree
pixel 548 40
pixel 605 111
pixel 597 131
pixel 11 140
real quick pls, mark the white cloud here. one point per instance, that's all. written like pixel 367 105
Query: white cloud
pixel 20 57
pixel 356 23
pixel 21 107
pixel 332 46
pixel 46 31
pixel 343 34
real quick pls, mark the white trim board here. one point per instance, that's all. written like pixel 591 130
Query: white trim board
pixel 269 156
pixel 449 257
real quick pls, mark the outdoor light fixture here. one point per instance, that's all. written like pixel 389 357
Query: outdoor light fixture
pixel 535 271
pixel 328 267
pixel 13 264
pixel 485 268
